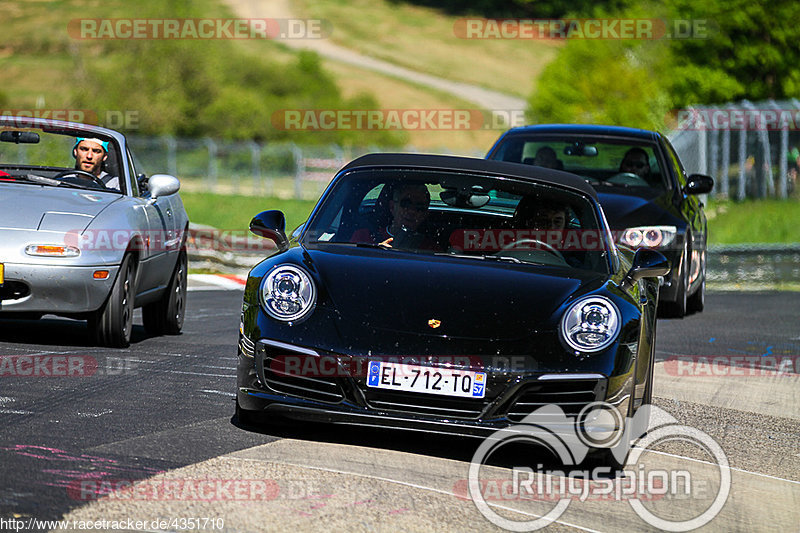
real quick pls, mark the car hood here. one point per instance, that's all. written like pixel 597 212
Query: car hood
pixel 629 209
pixel 34 207
pixel 470 299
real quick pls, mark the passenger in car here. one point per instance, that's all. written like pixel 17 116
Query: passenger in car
pixel 546 157
pixel 551 218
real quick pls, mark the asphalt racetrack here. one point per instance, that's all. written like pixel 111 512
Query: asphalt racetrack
pixel 154 422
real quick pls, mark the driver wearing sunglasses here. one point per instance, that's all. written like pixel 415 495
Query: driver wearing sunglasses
pixel 408 208
pixel 636 162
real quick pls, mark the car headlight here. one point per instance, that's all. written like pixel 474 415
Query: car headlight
pixel 649 236
pixel 288 294
pixel 590 324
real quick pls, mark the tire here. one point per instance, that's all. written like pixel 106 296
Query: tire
pixel 165 317
pixel 111 325
pixel 245 417
pixel 603 457
pixel 677 309
pixel 647 397
pixel 697 301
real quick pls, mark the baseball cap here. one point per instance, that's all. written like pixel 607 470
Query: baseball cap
pixel 104 144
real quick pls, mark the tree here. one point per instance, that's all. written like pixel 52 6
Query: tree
pixel 752 51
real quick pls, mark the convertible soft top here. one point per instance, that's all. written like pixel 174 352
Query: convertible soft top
pixel 471 164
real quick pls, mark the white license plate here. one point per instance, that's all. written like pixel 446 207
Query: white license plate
pixel 432 380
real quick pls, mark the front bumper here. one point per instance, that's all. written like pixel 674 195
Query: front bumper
pixel 345 399
pixel 54 289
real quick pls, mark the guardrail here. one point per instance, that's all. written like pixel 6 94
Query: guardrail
pixel 768 265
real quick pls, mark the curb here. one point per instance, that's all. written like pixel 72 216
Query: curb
pixel 215 282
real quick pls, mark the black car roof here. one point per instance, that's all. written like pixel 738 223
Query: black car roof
pixel 472 164
pixel 586 129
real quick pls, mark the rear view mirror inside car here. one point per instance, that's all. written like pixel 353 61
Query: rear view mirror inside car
pixel 17 137
pixel 580 149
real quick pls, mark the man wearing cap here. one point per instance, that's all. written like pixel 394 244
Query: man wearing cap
pixel 90 154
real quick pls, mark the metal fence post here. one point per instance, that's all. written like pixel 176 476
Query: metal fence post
pixel 702 148
pixel 299 170
pixel 783 152
pixel 741 193
pixel 172 154
pixel 255 161
pixel 714 149
pixel 211 179
pixel 726 162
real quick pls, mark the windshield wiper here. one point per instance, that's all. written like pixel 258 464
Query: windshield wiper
pixel 499 258
pixel 42 180
pixel 356 244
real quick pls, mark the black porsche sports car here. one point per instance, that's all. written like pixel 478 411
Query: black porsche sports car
pixel 644 190
pixel 446 294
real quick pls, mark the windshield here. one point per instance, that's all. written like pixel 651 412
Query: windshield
pixel 601 162
pixel 58 159
pixel 461 215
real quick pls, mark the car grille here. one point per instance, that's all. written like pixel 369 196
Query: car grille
pixel 571 395
pixel 425 404
pixel 313 387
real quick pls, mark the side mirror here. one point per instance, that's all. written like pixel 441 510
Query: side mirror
pixel 298 231
pixel 699 184
pixel 647 263
pixel 162 185
pixel 271 225
pixel 141 179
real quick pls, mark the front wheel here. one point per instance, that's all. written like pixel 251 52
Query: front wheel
pixel 167 314
pixel 697 301
pixel 677 309
pixel 111 325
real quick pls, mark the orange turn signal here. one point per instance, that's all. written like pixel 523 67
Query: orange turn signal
pixel 100 274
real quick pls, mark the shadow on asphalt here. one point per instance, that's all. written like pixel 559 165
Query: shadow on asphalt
pixel 52 331
pixel 455 448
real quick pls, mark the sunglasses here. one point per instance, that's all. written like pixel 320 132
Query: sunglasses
pixel 408 203
pixel 635 164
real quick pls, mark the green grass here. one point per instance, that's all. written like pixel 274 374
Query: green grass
pixel 754 221
pixel 233 212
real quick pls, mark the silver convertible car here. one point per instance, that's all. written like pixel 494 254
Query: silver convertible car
pixel 84 235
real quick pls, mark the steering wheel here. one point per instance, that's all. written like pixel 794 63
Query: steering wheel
pixel 546 247
pixel 627 178
pixel 80 174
